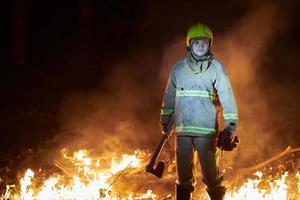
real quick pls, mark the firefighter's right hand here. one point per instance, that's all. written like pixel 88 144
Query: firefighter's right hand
pixel 165 129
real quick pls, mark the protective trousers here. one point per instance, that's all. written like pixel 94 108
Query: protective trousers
pixel 186 146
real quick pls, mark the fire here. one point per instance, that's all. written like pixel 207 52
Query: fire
pixel 261 188
pixel 278 189
pixel 298 184
pixel 88 177
pixel 126 160
pixel 26 191
pixel 89 181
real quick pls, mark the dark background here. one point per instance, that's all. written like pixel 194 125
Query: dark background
pixel 50 48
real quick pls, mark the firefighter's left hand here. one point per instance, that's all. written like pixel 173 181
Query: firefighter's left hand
pixel 229 134
pixel 227 139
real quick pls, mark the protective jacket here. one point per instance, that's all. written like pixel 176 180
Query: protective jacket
pixel 194 93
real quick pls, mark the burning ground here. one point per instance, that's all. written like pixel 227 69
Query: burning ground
pixel 85 175
pixel 95 140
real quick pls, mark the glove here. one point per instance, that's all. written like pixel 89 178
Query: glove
pixel 165 129
pixel 166 123
pixel 227 139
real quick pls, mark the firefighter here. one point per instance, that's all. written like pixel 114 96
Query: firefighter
pixel 198 91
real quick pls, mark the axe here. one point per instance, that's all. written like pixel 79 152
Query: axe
pixel 159 170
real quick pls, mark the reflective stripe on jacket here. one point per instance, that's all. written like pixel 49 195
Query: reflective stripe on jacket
pixel 192 96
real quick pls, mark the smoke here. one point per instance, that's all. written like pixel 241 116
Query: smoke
pixel 122 114
pixel 243 49
pixel 118 116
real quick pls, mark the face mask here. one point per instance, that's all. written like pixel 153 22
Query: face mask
pixel 200 46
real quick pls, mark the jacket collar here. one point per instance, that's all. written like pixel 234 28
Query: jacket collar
pixel 196 67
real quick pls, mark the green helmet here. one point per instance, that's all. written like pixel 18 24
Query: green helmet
pixel 198 30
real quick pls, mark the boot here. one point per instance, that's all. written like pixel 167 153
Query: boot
pixel 217 193
pixel 182 193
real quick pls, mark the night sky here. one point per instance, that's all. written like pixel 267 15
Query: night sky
pixel 62 60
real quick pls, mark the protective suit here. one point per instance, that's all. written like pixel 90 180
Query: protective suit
pixel 197 88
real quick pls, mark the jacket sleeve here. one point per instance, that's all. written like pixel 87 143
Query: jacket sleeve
pixel 226 97
pixel 168 103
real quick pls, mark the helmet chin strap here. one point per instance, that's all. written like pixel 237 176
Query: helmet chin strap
pixel 198 58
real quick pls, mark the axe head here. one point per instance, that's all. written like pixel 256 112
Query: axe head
pixel 158 171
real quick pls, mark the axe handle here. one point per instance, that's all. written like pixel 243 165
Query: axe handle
pixel 158 149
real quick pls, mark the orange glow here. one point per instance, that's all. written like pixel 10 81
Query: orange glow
pixel 89 180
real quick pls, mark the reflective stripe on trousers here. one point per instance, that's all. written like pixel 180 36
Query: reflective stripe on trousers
pixel 185 160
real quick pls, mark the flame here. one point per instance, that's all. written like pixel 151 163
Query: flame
pixel 298 183
pixel 277 189
pixel 126 161
pixel 26 191
pixel 88 182
pixel 148 195
pixel 87 178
